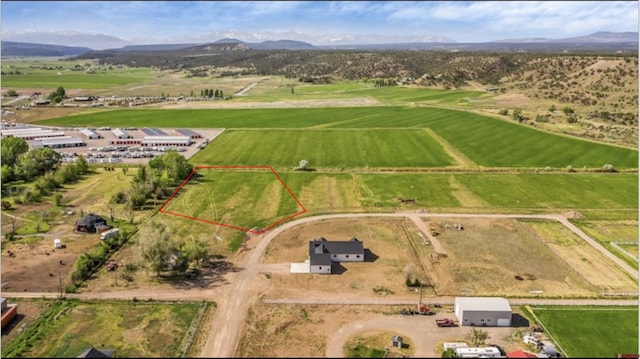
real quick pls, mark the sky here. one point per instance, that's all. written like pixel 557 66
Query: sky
pixel 320 22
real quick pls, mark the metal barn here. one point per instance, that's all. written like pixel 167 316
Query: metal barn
pixel 483 311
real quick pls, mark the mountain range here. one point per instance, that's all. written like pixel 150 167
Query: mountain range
pixel 599 41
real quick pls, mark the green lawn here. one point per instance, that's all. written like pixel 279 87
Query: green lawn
pixel 592 332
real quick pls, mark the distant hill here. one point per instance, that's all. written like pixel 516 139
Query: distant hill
pixel 11 48
pixel 270 45
pixel 598 37
pixel 156 47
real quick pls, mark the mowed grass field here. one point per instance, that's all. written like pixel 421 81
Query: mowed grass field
pixel 256 198
pixel 487 141
pixel 592 332
pixel 325 149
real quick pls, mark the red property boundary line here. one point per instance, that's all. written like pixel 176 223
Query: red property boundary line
pixel 304 210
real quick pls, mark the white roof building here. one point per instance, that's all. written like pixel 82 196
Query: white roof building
pixel 59 142
pixel 150 141
pixel 483 311
pixel 39 134
pixel 121 134
pixel 91 134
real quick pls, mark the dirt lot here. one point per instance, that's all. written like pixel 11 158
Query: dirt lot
pixel 274 330
pixel 483 259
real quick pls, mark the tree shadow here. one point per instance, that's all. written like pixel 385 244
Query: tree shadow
pixel 210 274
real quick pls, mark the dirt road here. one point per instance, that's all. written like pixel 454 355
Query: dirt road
pixel 245 286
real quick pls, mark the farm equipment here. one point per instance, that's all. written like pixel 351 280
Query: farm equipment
pixel 446 322
pixel 422 310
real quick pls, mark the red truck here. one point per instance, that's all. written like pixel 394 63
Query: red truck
pixel 446 322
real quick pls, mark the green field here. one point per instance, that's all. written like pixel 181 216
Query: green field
pixel 241 197
pixel 592 332
pixel 133 329
pixel 595 191
pixel 52 73
pixel 487 141
pixel 325 149
pixel 238 199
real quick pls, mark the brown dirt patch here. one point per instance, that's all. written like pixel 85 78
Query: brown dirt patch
pixel 512 100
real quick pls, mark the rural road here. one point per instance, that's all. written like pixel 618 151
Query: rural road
pixel 244 90
pixel 17 99
pixel 234 300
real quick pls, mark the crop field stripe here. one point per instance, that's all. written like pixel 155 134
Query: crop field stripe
pixel 334 148
pixel 485 140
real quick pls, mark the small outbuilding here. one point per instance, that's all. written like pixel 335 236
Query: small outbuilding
pixel 396 341
pixel 89 222
pixel 483 311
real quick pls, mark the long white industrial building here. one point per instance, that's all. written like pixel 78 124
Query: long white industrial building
pixel 152 141
pixel 63 142
pixel 39 134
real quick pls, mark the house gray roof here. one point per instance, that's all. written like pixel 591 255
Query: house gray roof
pixel 323 259
pixel 90 220
pixel 321 245
pixel 321 250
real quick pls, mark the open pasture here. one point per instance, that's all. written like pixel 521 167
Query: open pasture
pixel 243 199
pixel 545 190
pixel 487 141
pixel 591 332
pixel 325 149
pixel 75 79
pixel 362 192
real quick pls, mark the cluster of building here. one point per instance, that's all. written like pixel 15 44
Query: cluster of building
pixel 152 137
